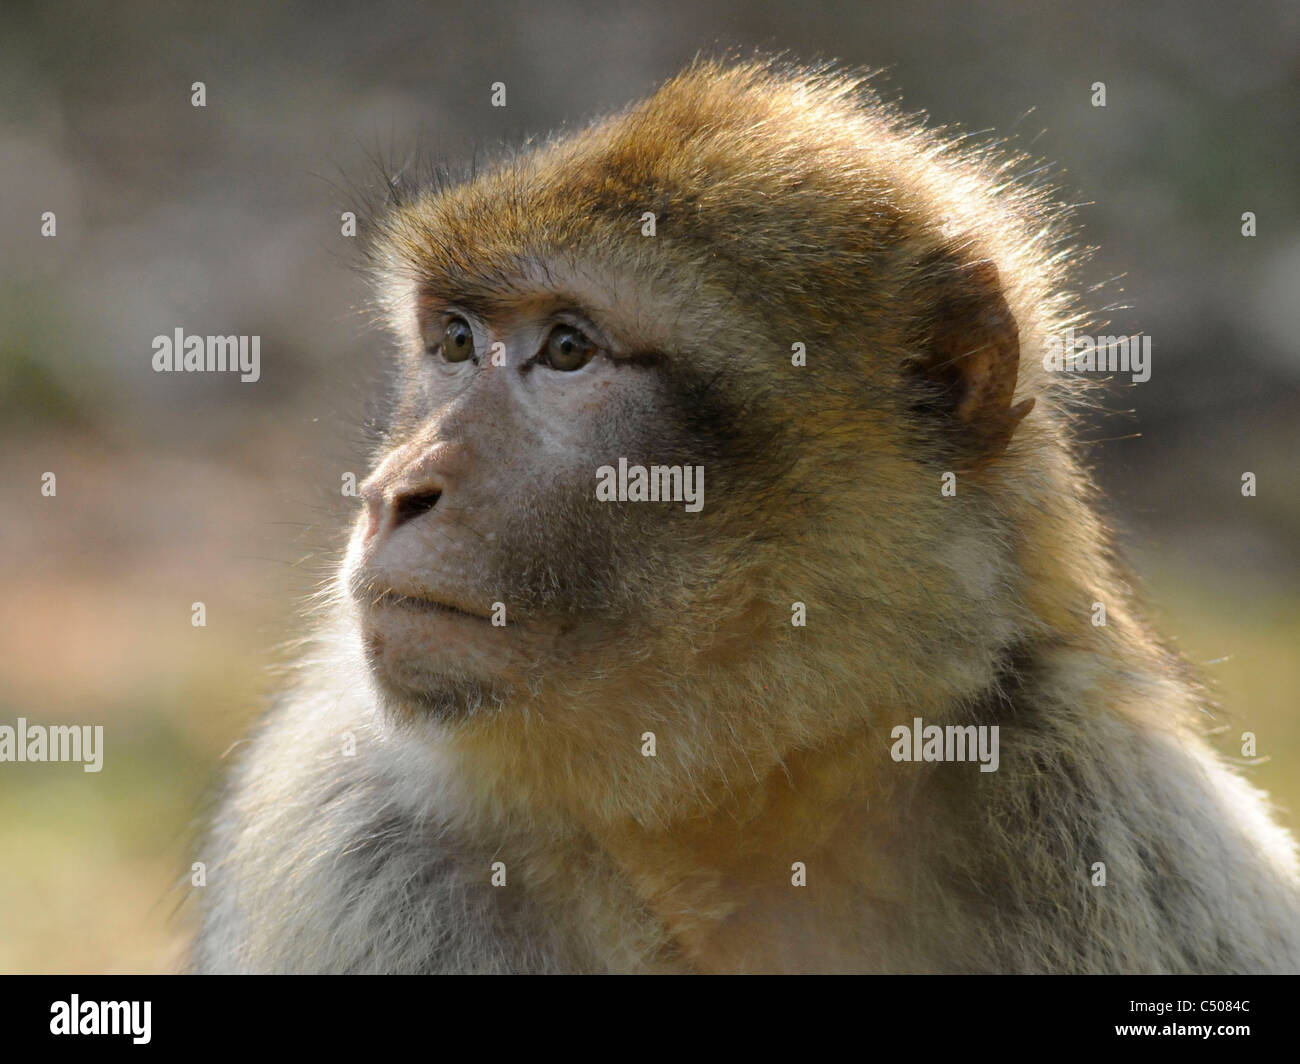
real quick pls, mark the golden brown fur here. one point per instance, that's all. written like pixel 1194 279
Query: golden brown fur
pixel 790 207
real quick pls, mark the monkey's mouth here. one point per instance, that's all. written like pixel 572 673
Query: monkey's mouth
pixel 419 604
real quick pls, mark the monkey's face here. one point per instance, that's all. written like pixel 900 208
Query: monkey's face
pixel 505 541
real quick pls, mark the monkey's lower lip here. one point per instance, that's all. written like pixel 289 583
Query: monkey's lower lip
pixel 397 600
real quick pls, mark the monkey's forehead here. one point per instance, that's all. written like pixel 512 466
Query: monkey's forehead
pixel 742 180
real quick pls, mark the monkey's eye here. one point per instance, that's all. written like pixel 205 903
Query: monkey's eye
pixel 457 340
pixel 567 349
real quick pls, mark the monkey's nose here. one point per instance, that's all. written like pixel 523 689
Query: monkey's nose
pixel 388 508
pixel 411 505
pixel 408 484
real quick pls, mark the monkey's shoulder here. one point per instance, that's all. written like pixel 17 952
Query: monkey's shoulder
pixel 337 848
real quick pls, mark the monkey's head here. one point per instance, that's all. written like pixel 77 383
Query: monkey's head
pixel 677 394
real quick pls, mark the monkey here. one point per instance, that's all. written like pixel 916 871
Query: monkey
pixel 540 730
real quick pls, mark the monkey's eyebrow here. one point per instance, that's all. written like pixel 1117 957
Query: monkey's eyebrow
pixel 574 313
pixel 596 309
pixel 480 306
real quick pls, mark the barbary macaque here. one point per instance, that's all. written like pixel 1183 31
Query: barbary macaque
pixel 853 712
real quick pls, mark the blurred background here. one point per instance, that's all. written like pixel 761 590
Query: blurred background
pixel 174 489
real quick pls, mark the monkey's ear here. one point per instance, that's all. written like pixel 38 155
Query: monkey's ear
pixel 970 355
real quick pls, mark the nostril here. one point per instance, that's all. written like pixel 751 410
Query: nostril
pixel 408 507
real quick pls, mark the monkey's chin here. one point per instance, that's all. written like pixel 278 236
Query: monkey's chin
pixel 445 699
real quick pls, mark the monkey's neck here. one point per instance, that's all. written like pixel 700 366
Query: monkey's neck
pixel 841 836
pixel 723 884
